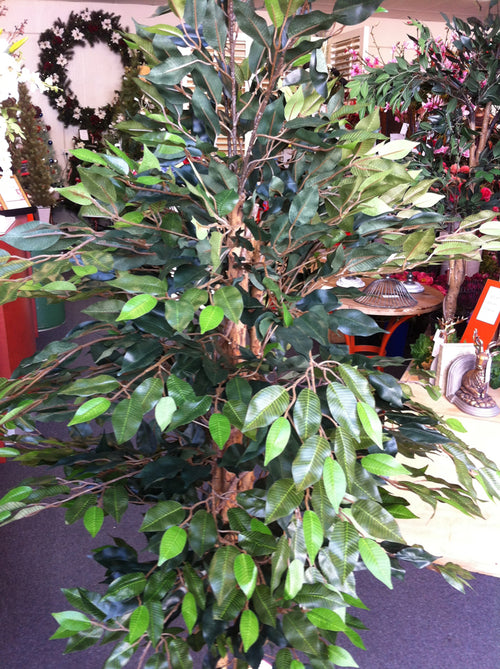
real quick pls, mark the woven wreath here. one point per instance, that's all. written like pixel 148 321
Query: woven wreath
pixel 56 50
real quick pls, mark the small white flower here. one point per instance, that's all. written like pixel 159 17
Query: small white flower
pixel 61 60
pixel 54 79
pixel 106 24
pixel 45 45
pixel 77 112
pixel 60 102
pixel 116 37
pixel 101 113
pixel 77 35
pixel 58 32
pixel 85 15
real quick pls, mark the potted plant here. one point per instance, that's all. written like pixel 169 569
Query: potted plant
pixel 209 391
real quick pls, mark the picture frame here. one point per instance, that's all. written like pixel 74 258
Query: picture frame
pixel 486 315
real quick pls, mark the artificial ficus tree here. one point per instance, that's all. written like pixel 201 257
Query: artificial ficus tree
pixel 202 382
pixel 451 87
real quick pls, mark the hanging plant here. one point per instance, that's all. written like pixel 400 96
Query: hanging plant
pixel 56 51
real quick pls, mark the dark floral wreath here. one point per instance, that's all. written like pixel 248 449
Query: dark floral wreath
pixel 56 50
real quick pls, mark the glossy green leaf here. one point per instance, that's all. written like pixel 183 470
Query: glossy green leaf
pixel 115 501
pixel 370 422
pixel 326 619
pixel 358 383
pixel 202 532
pixel 342 404
pixel 455 424
pixel 249 629
pixel 72 620
pixel 277 438
pixel 265 407
pixel 137 283
pixel 245 572
pixel 148 393
pixel 210 317
pixel 221 572
pixel 307 465
pixel 342 549
pixel 341 657
pixel 172 543
pixel 179 313
pixel 164 412
pixel 251 23
pixel 282 499
pixel 89 410
pixel 126 419
pixel 189 611
pixel 220 429
pixel 376 521
pixel 95 385
pixel 383 464
pixel 16 494
pixel 138 623
pixel 127 586
pixel 300 633
pixel 136 307
pixel 335 482
pixel 229 299
pixel 279 561
pixel 294 578
pixel 163 515
pixel 304 206
pixel 345 452
pixel 93 520
pixel 376 560
pixel 307 413
pixel 265 605
pixel 313 534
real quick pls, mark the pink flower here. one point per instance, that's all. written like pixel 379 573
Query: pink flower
pixel 442 149
pixel 486 194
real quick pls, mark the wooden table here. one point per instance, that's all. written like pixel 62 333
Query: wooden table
pixel 427 301
pixel 473 543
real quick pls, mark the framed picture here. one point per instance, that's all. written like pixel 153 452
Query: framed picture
pixel 448 353
pixel 13 199
pixel 486 315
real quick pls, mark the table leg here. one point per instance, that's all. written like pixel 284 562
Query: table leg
pixel 392 325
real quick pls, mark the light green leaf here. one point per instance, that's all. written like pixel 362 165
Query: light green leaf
pixel 221 572
pixel 220 429
pixel 126 419
pixel 417 244
pixel 136 307
pixel 163 515
pixel 335 482
pixel 189 611
pixel 16 494
pixel 326 619
pixel 179 313
pixel 393 150
pixel 282 499
pixel 383 464
pixel 94 385
pixel 455 424
pixel 376 560
pixel 164 411
pixel 307 465
pixel 279 561
pixel 376 521
pixel 93 520
pixel 313 534
pixel 294 578
pixel 249 629
pixel 357 383
pixel 245 572
pixel 149 161
pixel 172 543
pixel 138 623
pixel 277 438
pixel 229 299
pixel 264 407
pixel 72 620
pixel 307 413
pixel 210 317
pixel 342 404
pixel 89 410
pixel 370 421
pixel 341 657
pixel 226 201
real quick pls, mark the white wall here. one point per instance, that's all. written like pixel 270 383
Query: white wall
pixel 95 77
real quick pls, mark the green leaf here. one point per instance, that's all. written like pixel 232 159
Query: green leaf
pixel 264 407
pixel 136 283
pixel 162 516
pixel 95 385
pixel 220 429
pixel 313 534
pixel 164 411
pixel 126 587
pixel 172 543
pixel 210 317
pixel 202 532
pixel 221 572
pixel 136 307
pixel 245 573
pixel 294 579
pixel 307 414
pixel 93 520
pixel 282 499
pixel 307 465
pixel 251 23
pixel 277 438
pixel 383 464
pixel 357 383
pixel 226 201
pixel 342 550
pixel 264 605
pixel 301 634
pixel 326 619
pixel 341 657
pixel 304 206
pixel 342 404
pixel 115 501
pixel 249 629
pixel 179 314
pixel 89 410
pixel 370 421
pixel 376 521
pixel 229 299
pixel 16 494
pixel 138 623
pixel 455 424
pixel 126 419
pixel 73 621
pixel 417 244
pixel 279 561
pixel 149 161
pixel 189 611
pixel 376 560
pixel 335 482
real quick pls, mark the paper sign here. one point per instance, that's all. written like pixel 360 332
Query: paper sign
pixel 486 316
